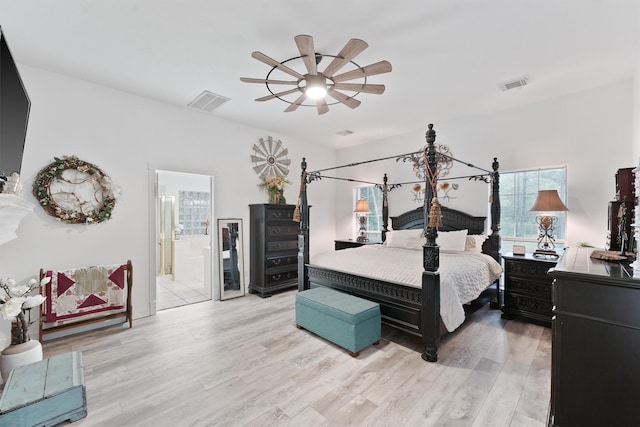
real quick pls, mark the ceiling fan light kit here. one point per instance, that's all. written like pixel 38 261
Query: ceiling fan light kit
pixel 315 85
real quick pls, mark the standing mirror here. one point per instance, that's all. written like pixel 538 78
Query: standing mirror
pixel 230 258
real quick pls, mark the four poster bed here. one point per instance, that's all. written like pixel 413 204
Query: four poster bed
pixel 412 297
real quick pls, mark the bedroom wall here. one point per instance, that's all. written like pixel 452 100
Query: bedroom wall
pixel 124 134
pixel 590 132
pixel 636 115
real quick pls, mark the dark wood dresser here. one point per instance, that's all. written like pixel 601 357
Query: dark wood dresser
pixel 596 343
pixel 273 240
pixel 527 288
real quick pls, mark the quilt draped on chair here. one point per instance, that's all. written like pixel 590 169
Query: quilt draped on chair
pixel 81 292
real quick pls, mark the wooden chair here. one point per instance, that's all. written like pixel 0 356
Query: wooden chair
pixel 94 290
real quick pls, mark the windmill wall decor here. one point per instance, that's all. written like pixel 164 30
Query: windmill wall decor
pixel 270 158
pixel 312 85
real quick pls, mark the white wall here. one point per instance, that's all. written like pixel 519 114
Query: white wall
pixel 123 134
pixel 636 117
pixel 590 132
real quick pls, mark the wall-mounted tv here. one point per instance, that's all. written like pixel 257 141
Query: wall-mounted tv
pixel 14 112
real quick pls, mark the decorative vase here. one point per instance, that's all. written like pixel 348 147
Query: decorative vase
pixel 276 198
pixel 19 355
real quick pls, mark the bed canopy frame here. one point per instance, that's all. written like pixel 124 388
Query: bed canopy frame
pixel 423 311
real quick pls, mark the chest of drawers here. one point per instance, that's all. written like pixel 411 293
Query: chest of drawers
pixel 273 239
pixel 527 288
pixel 596 342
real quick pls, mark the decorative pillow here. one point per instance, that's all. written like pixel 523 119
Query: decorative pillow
pixel 452 240
pixel 474 242
pixel 408 239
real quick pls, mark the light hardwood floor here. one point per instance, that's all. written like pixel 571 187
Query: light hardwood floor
pixel 243 362
pixel 171 293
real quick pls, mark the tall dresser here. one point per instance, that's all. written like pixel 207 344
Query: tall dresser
pixel 595 366
pixel 273 240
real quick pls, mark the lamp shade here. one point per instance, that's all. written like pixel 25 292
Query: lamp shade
pixel 362 206
pixel 548 201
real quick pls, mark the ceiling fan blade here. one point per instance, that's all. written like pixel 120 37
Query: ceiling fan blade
pixel 370 70
pixel 269 61
pixel 348 101
pixel 275 95
pixel 322 106
pixel 271 82
pixel 357 87
pixel 352 49
pixel 308 53
pixel 296 103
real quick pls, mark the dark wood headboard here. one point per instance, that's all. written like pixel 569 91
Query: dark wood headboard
pixel 451 220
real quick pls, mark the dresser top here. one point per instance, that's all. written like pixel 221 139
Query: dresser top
pixel 578 262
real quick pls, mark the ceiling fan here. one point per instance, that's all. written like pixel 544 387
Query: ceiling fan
pixel 312 84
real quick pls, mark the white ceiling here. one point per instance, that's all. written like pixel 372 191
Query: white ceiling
pixel 448 56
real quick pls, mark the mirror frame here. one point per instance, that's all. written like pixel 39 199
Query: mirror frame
pixel 222 224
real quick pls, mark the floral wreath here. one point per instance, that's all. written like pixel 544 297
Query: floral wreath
pixel 78 207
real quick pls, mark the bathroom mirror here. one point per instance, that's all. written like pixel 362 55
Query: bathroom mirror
pixel 230 258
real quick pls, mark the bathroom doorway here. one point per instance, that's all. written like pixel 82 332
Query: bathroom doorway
pixel 184 206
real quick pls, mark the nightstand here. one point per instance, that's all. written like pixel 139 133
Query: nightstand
pixel 527 288
pixel 348 243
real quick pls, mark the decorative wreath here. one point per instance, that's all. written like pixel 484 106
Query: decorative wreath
pixel 75 191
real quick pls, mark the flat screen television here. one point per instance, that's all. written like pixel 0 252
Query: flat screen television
pixel 14 112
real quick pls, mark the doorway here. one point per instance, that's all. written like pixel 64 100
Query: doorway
pixel 183 239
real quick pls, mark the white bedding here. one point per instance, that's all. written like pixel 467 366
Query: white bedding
pixel 463 275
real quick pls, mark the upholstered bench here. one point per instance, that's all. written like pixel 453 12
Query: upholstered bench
pixel 45 393
pixel 352 323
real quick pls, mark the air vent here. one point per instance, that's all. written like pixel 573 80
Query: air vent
pixel 208 101
pixel 522 81
pixel 345 132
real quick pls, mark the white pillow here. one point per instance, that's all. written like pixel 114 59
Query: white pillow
pixel 452 240
pixel 408 239
pixel 474 242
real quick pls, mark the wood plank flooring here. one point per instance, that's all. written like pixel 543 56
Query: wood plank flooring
pixel 242 362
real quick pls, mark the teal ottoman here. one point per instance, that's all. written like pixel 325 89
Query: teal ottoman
pixel 352 323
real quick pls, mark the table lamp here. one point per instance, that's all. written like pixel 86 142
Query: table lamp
pixel 362 209
pixel 546 202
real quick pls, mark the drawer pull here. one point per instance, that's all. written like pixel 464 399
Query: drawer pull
pixel 276 276
pixel 276 261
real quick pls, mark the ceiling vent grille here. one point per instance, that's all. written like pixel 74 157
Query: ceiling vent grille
pixel 522 81
pixel 208 101
pixel 345 132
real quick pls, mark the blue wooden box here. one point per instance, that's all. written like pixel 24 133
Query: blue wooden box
pixel 352 323
pixel 45 393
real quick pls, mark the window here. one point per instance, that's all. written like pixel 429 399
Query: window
pixel 193 212
pixel 373 196
pixel 518 192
